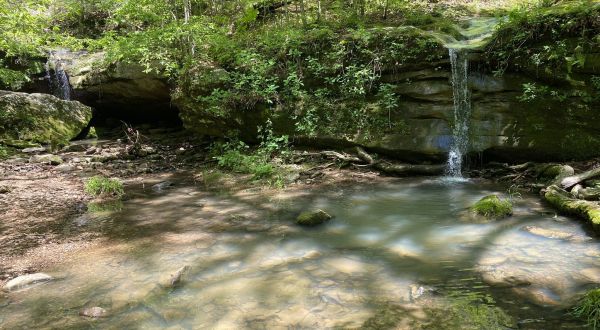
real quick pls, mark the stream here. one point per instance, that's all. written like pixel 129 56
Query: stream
pixel 403 254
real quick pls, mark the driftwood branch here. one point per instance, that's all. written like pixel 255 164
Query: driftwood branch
pixel 571 181
pixel 410 169
pixel 339 156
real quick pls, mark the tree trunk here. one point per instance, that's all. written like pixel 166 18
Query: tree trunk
pixel 410 169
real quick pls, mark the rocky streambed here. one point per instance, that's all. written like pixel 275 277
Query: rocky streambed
pixel 189 250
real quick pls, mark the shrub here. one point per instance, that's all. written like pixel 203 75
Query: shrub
pixel 589 308
pixel 493 207
pixel 102 186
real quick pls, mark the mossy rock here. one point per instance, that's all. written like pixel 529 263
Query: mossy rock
pixel 41 118
pixel 313 218
pixel 493 207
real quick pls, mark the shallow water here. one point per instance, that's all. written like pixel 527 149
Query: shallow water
pixel 404 253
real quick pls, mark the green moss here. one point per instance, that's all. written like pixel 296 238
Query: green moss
pixel 588 308
pixel 101 186
pixel 493 207
pixel 312 218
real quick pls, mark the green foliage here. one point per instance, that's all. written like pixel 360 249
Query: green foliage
pixel 588 308
pixel 3 152
pixel 102 186
pixel 238 157
pixel 493 207
pixel 549 39
pixel 532 91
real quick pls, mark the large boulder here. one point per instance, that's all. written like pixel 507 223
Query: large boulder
pixel 41 118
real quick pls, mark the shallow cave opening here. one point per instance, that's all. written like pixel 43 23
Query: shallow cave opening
pixel 109 119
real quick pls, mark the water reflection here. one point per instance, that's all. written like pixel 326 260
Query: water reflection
pixel 394 253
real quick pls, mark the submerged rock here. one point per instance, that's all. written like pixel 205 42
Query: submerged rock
pixel 591 274
pixel 548 233
pixel 313 218
pixel 176 278
pixel 24 281
pixel 93 312
pixel 159 187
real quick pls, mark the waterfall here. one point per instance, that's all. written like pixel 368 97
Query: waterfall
pixel 57 77
pixel 462 111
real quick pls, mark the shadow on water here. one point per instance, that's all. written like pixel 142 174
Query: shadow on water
pixel 395 254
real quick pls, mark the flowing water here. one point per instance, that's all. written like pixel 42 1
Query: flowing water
pixel 404 253
pixel 57 77
pixel 462 111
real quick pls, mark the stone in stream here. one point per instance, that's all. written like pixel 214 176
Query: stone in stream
pixel 25 281
pixel 312 218
pixel 176 278
pixel 591 274
pixel 549 233
pixel 93 312
pixel 159 187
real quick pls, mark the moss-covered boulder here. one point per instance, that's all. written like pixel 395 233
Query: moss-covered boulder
pixel 41 118
pixel 493 207
pixel 312 218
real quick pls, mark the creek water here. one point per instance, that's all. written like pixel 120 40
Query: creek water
pixel 404 254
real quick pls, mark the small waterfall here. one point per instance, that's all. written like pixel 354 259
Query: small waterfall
pixel 462 111
pixel 57 77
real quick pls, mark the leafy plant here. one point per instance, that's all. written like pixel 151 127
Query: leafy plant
pixel 588 308
pixel 531 92
pixel 102 186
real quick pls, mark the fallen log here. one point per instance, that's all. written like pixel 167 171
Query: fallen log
pixel 342 157
pixel 409 169
pixel 364 156
pixel 571 181
pixel 564 202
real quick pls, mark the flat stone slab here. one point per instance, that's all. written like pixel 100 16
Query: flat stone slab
pixel 25 281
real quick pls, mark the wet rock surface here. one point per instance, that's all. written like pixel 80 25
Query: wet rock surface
pixel 26 281
pixel 94 312
pixel 313 218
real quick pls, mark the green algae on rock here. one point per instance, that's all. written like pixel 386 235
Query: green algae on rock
pixel 41 118
pixel 493 207
pixel 313 218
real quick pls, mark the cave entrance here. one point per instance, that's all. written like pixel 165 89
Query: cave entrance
pixel 109 118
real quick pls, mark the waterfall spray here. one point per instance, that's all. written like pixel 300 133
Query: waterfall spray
pixel 462 111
